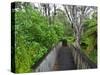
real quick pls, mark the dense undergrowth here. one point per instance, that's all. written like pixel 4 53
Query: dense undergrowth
pixel 33 37
pixel 89 39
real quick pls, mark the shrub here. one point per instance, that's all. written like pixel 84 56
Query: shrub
pixel 33 38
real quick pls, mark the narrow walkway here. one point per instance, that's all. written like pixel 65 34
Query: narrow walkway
pixel 64 59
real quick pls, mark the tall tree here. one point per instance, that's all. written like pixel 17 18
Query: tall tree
pixel 49 17
pixel 46 12
pixel 54 6
pixel 76 16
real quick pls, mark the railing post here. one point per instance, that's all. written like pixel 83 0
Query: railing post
pixel 81 60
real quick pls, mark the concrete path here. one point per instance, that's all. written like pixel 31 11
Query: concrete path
pixel 64 59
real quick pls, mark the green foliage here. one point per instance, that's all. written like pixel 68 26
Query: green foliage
pixel 33 37
pixel 89 41
pixel 27 55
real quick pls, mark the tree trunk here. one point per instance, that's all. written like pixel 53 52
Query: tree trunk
pixel 49 18
pixel 54 13
pixel 77 39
